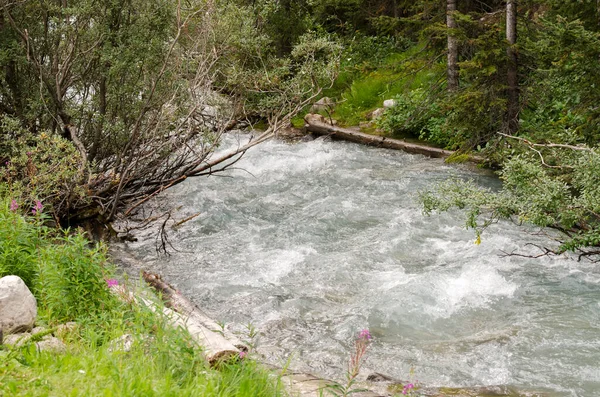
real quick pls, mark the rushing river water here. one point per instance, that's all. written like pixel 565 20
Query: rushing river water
pixel 312 242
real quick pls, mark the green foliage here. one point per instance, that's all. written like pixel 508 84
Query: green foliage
pixel 162 361
pixel 59 269
pixel 67 278
pixel 370 78
pixel 19 245
pixel 274 87
pixel 562 107
pixel 42 167
pixel 564 198
pixel 413 115
pixel 70 270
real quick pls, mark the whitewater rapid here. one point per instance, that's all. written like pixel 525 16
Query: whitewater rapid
pixel 311 242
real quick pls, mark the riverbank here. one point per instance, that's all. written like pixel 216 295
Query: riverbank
pixel 312 241
pixel 111 346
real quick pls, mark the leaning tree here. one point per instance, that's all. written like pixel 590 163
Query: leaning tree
pixel 103 105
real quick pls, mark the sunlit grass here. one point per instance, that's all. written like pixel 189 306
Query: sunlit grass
pixel 68 279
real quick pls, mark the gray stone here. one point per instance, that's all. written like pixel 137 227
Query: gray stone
pixel 64 329
pixel 322 104
pixel 365 125
pixel 377 377
pixel 51 344
pixel 38 330
pixel 16 340
pixel 389 103
pixel 308 138
pixel 18 307
pixel 123 343
pixel 375 114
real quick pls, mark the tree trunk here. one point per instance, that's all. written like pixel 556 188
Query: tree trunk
pixel 452 46
pixel 512 111
pixel 317 125
pixel 217 349
pixel 187 308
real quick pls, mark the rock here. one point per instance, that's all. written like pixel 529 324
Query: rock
pixel 16 340
pixel 377 113
pixel 365 125
pixel 324 138
pixel 314 117
pixel 323 104
pixel 18 307
pixel 51 344
pixel 389 103
pixel 38 330
pixel 124 343
pixel 64 329
pixel 308 137
pixel 377 377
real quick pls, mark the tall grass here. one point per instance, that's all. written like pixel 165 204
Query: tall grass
pixel 68 277
pixel 372 73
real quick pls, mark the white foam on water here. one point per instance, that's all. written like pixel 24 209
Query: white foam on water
pixel 269 161
pixel 474 287
pixel 315 240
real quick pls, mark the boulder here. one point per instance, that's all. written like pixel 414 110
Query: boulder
pixel 51 344
pixel 63 330
pixel 18 307
pixel 375 114
pixel 122 344
pixel 310 117
pixel 17 340
pixel 389 103
pixel 322 104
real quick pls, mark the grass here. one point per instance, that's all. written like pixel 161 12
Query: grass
pixel 68 277
pixel 360 89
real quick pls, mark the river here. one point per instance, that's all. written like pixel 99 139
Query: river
pixel 311 242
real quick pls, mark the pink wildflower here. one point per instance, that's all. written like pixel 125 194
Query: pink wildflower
pixel 112 282
pixel 407 388
pixel 14 205
pixel 37 208
pixel 243 354
pixel 365 334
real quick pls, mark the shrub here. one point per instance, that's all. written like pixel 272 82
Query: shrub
pixel 39 167
pixel 63 272
pixel 19 244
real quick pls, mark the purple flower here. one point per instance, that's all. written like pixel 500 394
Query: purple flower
pixel 365 334
pixel 243 354
pixel 111 282
pixel 407 388
pixel 14 206
pixel 37 208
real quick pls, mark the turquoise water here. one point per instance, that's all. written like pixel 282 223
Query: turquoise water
pixel 311 242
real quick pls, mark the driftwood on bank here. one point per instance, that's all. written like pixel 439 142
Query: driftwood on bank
pixel 175 300
pixel 316 123
pixel 216 347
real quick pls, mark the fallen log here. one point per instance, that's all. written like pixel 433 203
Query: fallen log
pixel 216 348
pixel 316 123
pixel 175 300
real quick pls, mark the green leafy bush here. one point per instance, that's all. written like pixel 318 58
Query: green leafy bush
pixel 63 272
pixel 69 271
pixel 565 196
pixel 19 245
pixel 39 167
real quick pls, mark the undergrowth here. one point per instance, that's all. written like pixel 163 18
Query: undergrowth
pixel 68 278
